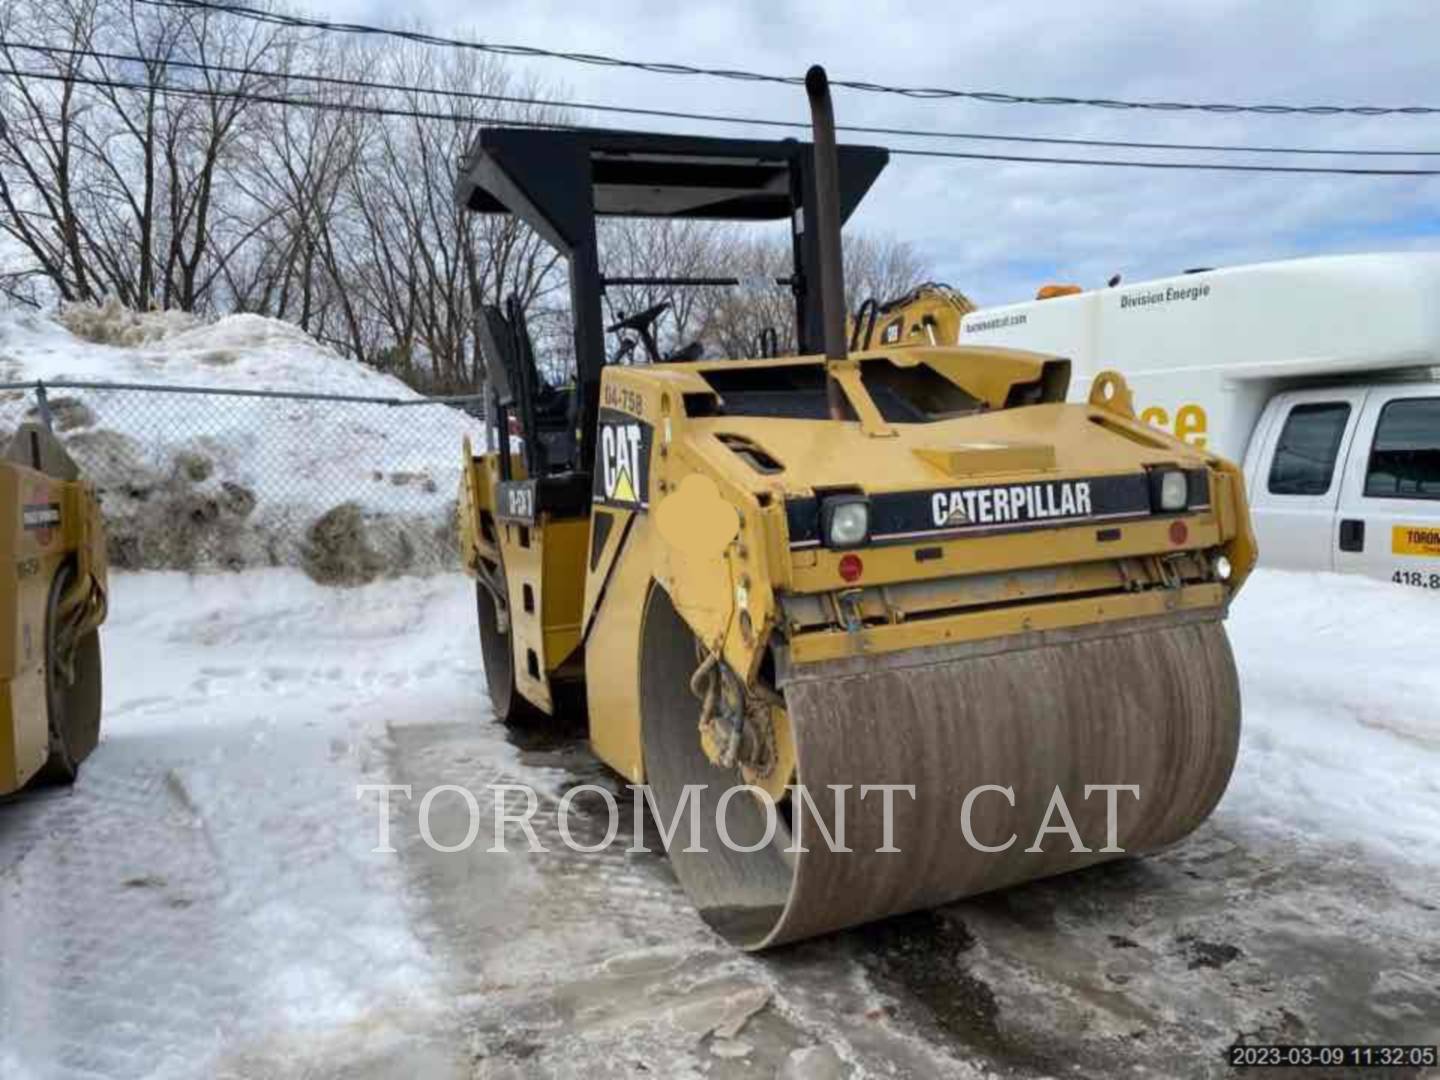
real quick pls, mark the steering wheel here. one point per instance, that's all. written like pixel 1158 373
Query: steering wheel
pixel 641 320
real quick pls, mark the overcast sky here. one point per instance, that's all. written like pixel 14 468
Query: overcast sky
pixel 997 230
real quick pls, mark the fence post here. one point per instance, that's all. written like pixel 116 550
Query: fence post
pixel 42 405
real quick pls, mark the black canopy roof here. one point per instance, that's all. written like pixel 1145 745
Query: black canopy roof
pixel 553 178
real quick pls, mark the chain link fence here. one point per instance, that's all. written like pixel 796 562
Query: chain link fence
pixel 194 478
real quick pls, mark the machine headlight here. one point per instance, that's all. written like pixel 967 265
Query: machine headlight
pixel 1169 490
pixel 845 520
pixel 1223 569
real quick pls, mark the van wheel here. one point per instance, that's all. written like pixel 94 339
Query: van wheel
pixel 73 696
pixel 497 650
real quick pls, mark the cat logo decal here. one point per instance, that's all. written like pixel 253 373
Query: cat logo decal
pixel 622 461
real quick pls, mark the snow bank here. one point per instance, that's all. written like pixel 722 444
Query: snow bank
pixel 347 490
pixel 1342 712
pixel 112 323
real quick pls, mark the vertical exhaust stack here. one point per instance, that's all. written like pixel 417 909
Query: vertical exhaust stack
pixel 827 224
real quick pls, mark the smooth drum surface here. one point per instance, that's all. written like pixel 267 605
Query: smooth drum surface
pixel 1154 704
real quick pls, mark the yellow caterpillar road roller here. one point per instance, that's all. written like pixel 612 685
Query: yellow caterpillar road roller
pixel 52 598
pixel 903 595
pixel 928 314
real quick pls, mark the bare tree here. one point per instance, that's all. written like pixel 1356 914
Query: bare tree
pixel 878 267
pixel 639 247
pixel 18 287
pixel 295 174
pixel 38 133
pixel 113 186
pixel 199 146
pixel 418 265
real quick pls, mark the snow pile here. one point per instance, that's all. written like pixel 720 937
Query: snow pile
pixel 1341 712
pixel 112 323
pixel 347 490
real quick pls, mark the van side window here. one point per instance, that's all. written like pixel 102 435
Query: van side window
pixel 1405 460
pixel 1309 443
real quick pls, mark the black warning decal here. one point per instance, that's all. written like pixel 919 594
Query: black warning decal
pixel 622 461
pixel 42 515
pixel 42 519
pixel 515 500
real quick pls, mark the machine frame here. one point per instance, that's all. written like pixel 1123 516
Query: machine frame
pixel 1024 592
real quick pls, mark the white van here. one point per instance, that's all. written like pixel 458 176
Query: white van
pixel 1320 375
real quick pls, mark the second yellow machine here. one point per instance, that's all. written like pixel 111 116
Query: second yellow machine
pixel 974 623
pixel 52 600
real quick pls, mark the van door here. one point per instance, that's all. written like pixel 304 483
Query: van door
pixel 1389 518
pixel 1296 490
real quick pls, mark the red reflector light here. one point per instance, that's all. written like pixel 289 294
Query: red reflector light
pixel 1179 532
pixel 851 567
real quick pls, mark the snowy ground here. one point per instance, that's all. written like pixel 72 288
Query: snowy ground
pixel 206 901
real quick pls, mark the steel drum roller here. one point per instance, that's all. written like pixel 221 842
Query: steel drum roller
pixel 1154 703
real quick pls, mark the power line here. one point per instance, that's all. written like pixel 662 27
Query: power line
pixel 669 68
pixel 473 95
pixel 285 76
pixel 256 97
pixel 1206 166
pixel 417 114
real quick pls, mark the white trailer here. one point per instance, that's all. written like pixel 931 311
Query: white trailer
pixel 1318 374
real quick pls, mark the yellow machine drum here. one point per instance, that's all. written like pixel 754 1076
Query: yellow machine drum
pixel 1152 703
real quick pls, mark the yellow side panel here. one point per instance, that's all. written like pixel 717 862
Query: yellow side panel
pixel 523 551
pixel 10 774
pixel 695 527
pixel 29 560
pixel 476 494
pixel 567 544
pixel 612 657
pixel 545 576
pixel 27 692
pixel 1233 513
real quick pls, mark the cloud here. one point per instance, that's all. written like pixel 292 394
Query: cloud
pixel 995 229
